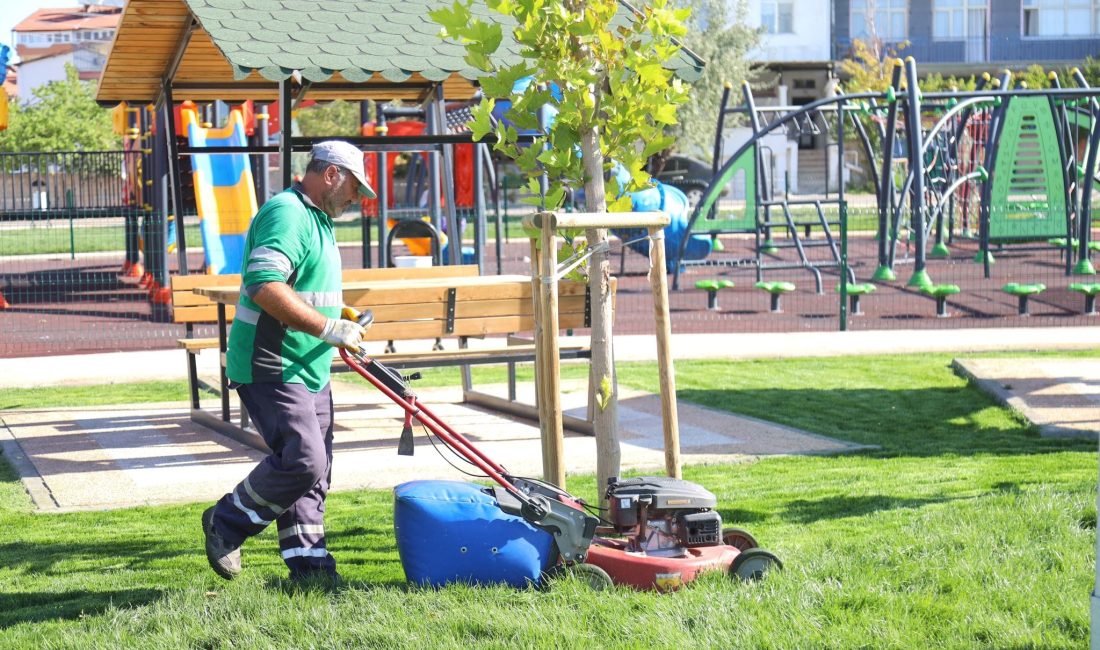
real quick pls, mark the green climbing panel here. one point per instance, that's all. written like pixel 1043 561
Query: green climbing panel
pixel 742 172
pixel 1028 197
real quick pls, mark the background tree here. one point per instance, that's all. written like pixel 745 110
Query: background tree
pixel 936 82
pixel 336 118
pixel 718 32
pixel 63 117
pixel 604 73
pixel 869 64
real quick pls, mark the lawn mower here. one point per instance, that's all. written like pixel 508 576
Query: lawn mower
pixel 660 532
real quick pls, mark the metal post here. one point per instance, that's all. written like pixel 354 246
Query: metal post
pixel 448 173
pixel 169 128
pixel 916 169
pixel 480 228
pixel 886 191
pixel 285 118
pixel 431 118
pixel 843 209
pixel 383 188
pixel 717 155
pixel 263 180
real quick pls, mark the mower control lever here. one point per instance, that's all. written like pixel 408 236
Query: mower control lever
pixel 572 528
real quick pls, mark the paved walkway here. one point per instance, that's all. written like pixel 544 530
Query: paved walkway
pixel 121 456
pixel 1060 396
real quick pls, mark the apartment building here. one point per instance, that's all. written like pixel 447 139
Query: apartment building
pixel 973 36
pixel 49 39
pixel 795 45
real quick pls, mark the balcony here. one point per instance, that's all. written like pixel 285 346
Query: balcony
pixel 978 54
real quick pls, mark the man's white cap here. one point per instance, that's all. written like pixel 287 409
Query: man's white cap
pixel 349 157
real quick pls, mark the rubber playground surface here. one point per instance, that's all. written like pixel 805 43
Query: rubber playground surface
pixel 100 312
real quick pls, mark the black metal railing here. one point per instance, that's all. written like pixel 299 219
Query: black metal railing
pixel 994 50
pixel 78 183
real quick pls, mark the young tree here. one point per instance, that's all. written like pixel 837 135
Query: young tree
pixel 63 117
pixel 717 31
pixel 604 73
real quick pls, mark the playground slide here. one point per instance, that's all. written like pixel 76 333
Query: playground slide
pixel 224 192
pixel 672 201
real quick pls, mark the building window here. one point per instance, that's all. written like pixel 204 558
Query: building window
pixel 885 19
pixel 959 19
pixel 777 17
pixel 1061 17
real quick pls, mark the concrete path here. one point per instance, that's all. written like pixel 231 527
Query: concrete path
pixel 1060 396
pixel 119 456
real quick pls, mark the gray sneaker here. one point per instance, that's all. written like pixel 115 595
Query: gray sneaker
pixel 223 558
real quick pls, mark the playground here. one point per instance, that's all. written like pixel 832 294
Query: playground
pixel 979 218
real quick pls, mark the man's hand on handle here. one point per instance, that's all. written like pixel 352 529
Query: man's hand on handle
pixel 347 331
pixel 342 333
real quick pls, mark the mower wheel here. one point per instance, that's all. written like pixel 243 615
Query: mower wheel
pixel 739 538
pixel 590 574
pixel 754 564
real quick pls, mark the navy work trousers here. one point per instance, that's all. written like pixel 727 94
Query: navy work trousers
pixel 290 485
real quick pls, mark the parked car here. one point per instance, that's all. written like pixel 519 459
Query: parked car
pixel 689 175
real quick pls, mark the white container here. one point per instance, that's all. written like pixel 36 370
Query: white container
pixel 412 261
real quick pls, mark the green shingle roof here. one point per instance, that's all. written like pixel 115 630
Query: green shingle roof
pixel 393 38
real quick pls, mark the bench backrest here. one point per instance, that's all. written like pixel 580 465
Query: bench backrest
pixel 464 308
pixel 189 307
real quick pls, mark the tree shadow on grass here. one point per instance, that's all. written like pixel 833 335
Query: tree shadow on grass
pixel 28 607
pixel 43 559
pixel 918 422
pixel 806 511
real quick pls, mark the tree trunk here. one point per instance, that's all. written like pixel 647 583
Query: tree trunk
pixel 606 419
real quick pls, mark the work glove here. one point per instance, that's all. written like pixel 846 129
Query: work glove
pixel 346 334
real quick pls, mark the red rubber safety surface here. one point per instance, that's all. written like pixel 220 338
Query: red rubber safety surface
pixel 64 307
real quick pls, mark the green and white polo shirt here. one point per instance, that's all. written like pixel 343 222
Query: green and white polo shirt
pixel 290 240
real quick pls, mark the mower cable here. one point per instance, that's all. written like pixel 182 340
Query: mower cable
pixel 428 435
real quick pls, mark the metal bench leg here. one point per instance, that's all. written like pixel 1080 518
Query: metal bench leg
pixel 193 379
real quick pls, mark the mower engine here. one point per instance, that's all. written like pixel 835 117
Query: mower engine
pixel 663 516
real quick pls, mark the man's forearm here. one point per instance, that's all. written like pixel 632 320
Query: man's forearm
pixel 279 300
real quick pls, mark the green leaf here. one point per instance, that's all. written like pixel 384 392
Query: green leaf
pixel 482 122
pixel 622 204
pixel 652 73
pixel 555 197
pixel 665 114
pixel 454 20
pixel 478 60
pixel 658 144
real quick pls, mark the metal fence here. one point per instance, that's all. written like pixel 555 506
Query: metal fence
pixel 88 183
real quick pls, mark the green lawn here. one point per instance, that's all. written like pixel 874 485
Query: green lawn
pixel 963 530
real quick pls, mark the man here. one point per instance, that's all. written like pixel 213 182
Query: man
pixel 280 351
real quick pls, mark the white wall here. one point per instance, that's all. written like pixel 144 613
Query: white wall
pixel 810 40
pixel 41 71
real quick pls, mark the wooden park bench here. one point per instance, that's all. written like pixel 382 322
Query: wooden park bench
pixel 444 302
